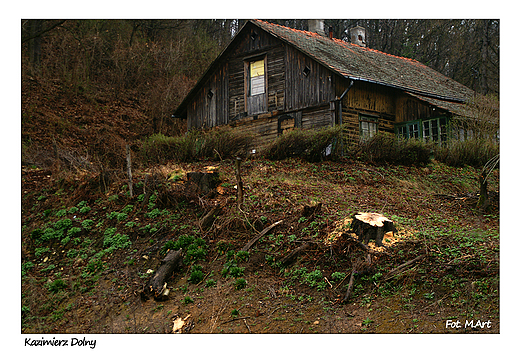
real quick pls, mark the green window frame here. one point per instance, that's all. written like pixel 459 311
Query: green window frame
pixel 409 130
pixel 433 129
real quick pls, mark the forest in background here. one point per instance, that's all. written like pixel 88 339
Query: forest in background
pixel 156 62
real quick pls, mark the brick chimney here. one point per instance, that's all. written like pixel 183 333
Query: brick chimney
pixel 357 36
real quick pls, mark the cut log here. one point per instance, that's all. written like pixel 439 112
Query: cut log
pixel 372 226
pixel 157 284
pixel 264 231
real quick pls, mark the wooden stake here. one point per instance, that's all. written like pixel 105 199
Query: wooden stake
pixel 240 196
pixel 129 171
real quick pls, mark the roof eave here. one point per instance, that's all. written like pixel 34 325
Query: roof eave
pixel 182 108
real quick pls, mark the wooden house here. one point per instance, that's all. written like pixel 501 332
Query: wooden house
pixel 271 79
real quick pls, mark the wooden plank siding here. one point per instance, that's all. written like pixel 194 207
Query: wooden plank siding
pixel 410 109
pixel 370 97
pixel 300 92
pixel 273 51
pixel 308 83
pixel 207 109
pixel 317 117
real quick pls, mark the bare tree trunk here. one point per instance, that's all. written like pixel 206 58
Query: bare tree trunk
pixel 35 45
pixel 485 46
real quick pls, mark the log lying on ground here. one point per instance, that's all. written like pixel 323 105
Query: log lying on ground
pixel 262 233
pixel 372 226
pixel 294 253
pixel 156 285
pixel 209 218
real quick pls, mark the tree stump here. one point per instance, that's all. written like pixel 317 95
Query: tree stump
pixel 371 226
pixel 203 182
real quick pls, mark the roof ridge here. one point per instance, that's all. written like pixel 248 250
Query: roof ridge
pixel 340 41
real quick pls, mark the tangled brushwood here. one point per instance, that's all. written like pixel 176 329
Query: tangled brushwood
pixel 216 144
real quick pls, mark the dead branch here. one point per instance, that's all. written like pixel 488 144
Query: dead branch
pixel 358 242
pixel 240 185
pixel 129 171
pixel 355 268
pixel 403 267
pixel 209 218
pixel 294 253
pixel 264 232
pixel 235 319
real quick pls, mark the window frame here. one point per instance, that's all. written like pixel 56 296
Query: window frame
pixel 370 121
pixel 424 129
pixel 249 63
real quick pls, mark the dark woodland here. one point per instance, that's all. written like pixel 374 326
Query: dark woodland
pixel 160 60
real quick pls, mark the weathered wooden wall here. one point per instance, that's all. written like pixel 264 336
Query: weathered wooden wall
pixel 315 88
pixel 300 93
pixel 207 109
pixel 317 117
pixel 273 51
pixel 369 97
pixel 410 108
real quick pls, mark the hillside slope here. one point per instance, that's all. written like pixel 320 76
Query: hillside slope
pixel 88 255
pixel 89 248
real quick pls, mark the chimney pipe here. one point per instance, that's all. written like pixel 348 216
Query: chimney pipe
pixel 331 35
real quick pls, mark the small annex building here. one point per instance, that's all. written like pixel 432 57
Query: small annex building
pixel 271 79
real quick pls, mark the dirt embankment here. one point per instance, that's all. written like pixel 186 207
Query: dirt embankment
pixel 88 248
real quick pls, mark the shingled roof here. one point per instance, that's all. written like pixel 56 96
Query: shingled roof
pixel 364 64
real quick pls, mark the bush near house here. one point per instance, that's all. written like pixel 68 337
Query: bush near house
pixel 473 152
pixel 311 145
pixel 388 148
pixel 215 144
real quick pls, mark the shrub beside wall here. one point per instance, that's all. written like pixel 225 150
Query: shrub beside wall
pixel 311 145
pixel 220 143
pixel 388 148
pixel 473 152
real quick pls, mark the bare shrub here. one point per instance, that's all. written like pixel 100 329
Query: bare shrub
pixel 388 148
pixel 475 135
pixel 311 145
pixel 224 142
pixel 215 144
pixel 473 152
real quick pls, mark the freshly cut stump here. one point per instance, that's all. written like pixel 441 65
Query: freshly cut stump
pixel 372 226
